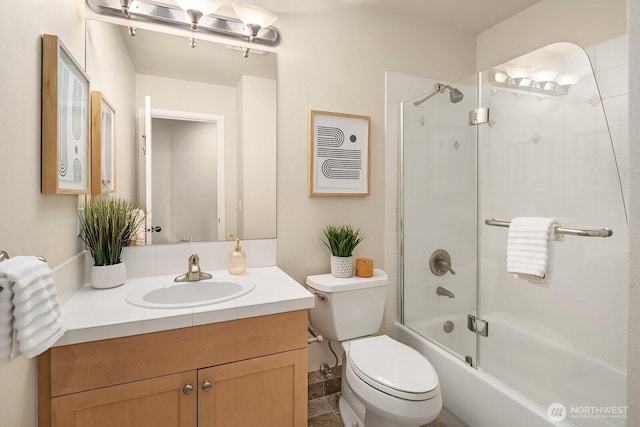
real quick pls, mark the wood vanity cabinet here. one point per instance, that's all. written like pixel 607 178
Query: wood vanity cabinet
pixel 246 372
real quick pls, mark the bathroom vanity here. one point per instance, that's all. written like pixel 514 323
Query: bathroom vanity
pixel 247 370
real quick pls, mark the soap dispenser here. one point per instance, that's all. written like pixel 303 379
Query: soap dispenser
pixel 237 260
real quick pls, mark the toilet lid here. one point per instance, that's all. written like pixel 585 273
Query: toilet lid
pixel 393 368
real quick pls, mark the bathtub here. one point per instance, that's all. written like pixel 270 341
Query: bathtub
pixel 512 358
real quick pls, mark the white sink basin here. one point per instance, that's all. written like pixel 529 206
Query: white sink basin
pixel 190 294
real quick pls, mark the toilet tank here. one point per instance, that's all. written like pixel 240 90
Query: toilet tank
pixel 347 308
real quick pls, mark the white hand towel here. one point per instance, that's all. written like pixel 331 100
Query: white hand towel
pixel 529 247
pixel 6 321
pixel 36 318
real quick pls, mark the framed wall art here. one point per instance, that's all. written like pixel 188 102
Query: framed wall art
pixel 338 154
pixel 103 145
pixel 65 121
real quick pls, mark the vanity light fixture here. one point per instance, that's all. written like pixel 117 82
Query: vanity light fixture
pixel 254 18
pixel 251 24
pixel 543 81
pixel 126 5
pixel 196 9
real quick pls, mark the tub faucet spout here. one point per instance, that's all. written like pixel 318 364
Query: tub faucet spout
pixel 444 292
pixel 194 273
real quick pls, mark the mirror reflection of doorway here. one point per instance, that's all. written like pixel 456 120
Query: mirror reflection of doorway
pixel 181 175
pixel 184 181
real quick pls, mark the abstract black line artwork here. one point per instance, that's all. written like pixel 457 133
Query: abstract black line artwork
pixel 338 154
pixel 330 136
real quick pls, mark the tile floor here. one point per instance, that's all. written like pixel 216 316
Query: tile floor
pixel 324 394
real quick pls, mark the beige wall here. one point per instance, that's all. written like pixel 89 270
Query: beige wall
pixel 337 62
pixel 30 223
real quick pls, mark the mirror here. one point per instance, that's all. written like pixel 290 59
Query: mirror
pixel 220 186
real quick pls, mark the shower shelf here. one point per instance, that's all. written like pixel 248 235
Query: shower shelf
pixel 584 232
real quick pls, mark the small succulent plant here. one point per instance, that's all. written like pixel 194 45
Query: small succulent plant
pixel 342 240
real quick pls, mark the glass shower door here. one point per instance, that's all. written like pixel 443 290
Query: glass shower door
pixel 439 215
pixel 547 152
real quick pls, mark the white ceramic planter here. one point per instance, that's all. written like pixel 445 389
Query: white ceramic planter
pixel 341 266
pixel 108 276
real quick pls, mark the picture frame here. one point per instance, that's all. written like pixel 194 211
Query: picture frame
pixel 338 154
pixel 66 128
pixel 103 145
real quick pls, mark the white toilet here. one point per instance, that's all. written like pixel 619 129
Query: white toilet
pixel 384 383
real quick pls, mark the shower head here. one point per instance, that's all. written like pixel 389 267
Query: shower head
pixel 454 94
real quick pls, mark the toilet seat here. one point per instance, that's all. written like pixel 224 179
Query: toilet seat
pixel 393 368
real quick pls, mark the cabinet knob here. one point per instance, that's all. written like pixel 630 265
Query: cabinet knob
pixel 187 389
pixel 206 386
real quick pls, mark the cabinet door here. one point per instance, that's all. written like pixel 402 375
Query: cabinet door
pixel 268 391
pixel 162 401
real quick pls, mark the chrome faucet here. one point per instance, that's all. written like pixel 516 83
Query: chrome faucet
pixel 194 273
pixel 445 292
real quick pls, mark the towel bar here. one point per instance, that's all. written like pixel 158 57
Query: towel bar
pixel 584 232
pixel 4 255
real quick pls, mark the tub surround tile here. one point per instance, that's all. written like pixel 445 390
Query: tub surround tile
pixel 613 81
pixel 617 110
pixel 611 53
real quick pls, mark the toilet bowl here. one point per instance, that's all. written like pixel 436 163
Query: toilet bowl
pixel 396 384
pixel 384 382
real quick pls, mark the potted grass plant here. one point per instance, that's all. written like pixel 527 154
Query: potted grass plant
pixel 341 241
pixel 107 225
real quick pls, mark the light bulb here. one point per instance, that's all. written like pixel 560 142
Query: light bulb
pixel 544 75
pixel 254 15
pixel 206 7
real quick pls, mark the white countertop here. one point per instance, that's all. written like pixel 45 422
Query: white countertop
pixel 97 314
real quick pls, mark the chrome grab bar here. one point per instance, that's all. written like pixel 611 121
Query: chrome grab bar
pixel 584 232
pixel 316 336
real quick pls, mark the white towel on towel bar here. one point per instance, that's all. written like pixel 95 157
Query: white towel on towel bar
pixel 529 247
pixel 30 317
pixel 6 322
